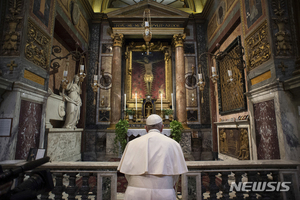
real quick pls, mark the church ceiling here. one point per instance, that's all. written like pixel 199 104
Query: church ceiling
pixel 124 3
pixel 106 6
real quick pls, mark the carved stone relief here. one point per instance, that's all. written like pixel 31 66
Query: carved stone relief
pixel 11 40
pixel 258 47
pixel 37 46
pixel 234 142
pixel 244 145
pixel 282 35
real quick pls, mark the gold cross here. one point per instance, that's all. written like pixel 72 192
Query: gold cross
pixel 282 66
pixel 12 65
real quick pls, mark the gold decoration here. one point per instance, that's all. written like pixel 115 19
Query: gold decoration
pixel 178 39
pixel 258 47
pixel 168 71
pixel 223 141
pixel 33 77
pixel 11 66
pixel 12 36
pixel 118 39
pixel 244 145
pixel 261 78
pixel 283 46
pixel 37 46
pixel 232 92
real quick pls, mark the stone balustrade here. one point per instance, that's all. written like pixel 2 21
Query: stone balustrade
pixel 205 180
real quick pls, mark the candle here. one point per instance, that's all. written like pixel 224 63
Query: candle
pixel 95 78
pixel 229 73
pixel 65 73
pixel 136 102
pixel 199 76
pixel 192 94
pixel 81 68
pixel 213 69
pixel 161 106
pixel 124 101
pixel 146 24
pixel 172 100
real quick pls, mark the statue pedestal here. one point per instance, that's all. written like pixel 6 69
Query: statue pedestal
pixel 64 144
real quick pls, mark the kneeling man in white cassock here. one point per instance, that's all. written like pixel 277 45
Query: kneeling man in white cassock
pixel 152 164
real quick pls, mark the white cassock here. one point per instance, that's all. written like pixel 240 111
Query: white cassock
pixel 152 164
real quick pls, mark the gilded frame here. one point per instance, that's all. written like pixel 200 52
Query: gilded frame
pixel 220 97
pixel 168 73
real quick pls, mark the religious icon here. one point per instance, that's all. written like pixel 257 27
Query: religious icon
pixel 147 63
pixel 253 11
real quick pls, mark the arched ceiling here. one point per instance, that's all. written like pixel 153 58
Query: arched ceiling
pixel 106 6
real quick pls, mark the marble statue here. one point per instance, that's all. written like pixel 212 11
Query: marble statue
pixel 73 103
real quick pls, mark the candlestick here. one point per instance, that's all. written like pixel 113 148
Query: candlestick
pixel 65 73
pixel 172 101
pixel 199 76
pixel 124 102
pixel 81 68
pixel 136 102
pixel 161 106
pixel 213 69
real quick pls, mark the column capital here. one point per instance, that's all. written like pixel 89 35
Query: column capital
pixel 117 38
pixel 178 39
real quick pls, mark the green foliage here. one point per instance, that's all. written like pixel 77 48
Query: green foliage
pixel 130 112
pixel 176 129
pixel 168 111
pixel 121 135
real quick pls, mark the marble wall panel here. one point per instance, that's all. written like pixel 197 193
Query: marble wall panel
pixel 64 144
pixel 9 108
pixel 206 143
pixel 110 145
pixel 189 32
pixel 94 57
pixel 290 122
pixel 29 128
pixel 266 131
pixel 204 107
pixel 185 143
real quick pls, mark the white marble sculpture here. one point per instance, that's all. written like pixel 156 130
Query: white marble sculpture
pixel 73 103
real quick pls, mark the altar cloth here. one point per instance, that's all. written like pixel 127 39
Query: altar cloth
pixel 136 132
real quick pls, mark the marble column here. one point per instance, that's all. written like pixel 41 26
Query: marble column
pixel 180 79
pixel 116 79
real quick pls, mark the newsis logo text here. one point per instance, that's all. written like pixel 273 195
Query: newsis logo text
pixel 260 186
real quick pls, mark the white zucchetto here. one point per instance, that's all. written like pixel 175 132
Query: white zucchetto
pixel 153 119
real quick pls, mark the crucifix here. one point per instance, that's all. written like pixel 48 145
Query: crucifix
pixel 11 66
pixel 148 111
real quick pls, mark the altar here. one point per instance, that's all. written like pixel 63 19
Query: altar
pixel 136 132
